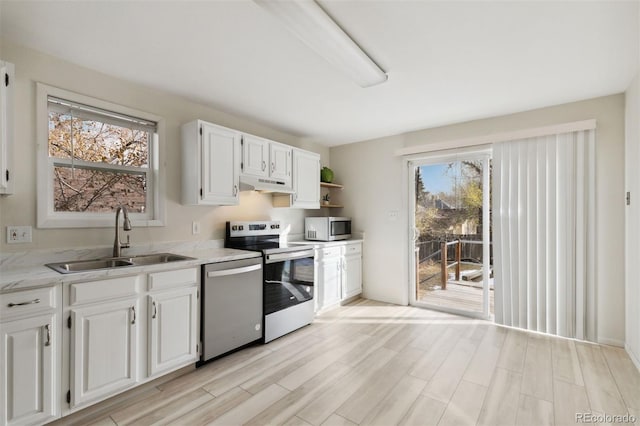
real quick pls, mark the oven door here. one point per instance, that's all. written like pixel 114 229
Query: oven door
pixel 288 279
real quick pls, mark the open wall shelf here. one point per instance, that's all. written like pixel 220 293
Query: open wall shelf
pixel 329 187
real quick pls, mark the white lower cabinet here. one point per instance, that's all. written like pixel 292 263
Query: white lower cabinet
pixel 339 273
pixel 329 277
pixel 126 331
pixel 173 335
pixel 351 276
pixel 29 356
pixel 104 349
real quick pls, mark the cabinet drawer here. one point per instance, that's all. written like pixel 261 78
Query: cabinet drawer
pixel 355 248
pixel 27 302
pixel 330 252
pixel 95 291
pixel 169 279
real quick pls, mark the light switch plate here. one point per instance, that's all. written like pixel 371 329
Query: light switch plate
pixel 195 228
pixel 18 234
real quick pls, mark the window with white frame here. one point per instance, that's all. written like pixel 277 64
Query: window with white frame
pixel 93 157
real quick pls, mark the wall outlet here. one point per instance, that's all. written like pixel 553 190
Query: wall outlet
pixel 195 228
pixel 18 234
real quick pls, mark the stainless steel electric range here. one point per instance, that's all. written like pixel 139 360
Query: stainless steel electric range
pixel 288 275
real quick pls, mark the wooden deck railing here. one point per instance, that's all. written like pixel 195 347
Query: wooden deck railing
pixel 424 251
pixel 444 262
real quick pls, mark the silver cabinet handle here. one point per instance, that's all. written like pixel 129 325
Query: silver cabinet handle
pixel 47 329
pixel 30 302
pixel 155 310
pixel 273 167
pixel 133 309
pixel 234 271
pixel 264 165
pixel 235 190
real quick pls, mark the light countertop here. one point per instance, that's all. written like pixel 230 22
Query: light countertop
pixel 326 243
pixel 23 276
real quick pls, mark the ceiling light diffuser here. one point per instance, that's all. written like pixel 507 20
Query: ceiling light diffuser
pixel 307 20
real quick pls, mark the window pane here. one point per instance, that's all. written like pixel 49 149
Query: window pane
pixel 88 190
pixel 96 141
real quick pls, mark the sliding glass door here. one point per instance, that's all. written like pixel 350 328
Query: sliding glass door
pixel 450 221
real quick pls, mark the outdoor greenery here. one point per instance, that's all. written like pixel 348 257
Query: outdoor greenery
pixel 444 214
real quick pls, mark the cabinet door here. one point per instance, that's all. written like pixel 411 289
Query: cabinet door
pixel 220 165
pixel 103 349
pixel 280 158
pixel 255 156
pixel 351 276
pixel 306 180
pixel 29 366
pixel 329 282
pixel 6 127
pixel 173 329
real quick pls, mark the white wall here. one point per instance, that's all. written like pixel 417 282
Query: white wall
pixel 632 220
pixel 372 176
pixel 20 208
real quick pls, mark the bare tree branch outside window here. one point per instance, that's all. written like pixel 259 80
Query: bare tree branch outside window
pixel 97 165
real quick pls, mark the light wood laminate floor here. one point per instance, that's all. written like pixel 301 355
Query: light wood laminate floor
pixel 376 364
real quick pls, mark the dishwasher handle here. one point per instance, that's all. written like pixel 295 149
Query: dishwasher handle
pixel 234 271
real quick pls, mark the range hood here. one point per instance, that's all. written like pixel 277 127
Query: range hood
pixel 265 184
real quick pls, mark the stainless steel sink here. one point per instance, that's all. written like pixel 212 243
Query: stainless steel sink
pixel 153 259
pixel 115 262
pixel 88 265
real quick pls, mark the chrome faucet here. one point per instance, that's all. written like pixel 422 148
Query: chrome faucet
pixel 117 245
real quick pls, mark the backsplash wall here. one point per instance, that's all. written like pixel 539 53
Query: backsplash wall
pixel 20 208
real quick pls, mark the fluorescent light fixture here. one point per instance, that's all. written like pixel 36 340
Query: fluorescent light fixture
pixel 307 20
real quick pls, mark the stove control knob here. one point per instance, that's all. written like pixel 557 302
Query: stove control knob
pixel 273 227
pixel 234 228
pixel 241 227
pixel 278 226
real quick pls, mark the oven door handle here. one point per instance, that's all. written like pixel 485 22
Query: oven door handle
pixel 279 257
pixel 234 271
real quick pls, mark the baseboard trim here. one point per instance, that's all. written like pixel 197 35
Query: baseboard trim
pixel 633 357
pixel 611 342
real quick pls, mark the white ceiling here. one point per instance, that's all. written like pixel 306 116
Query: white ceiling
pixel 447 61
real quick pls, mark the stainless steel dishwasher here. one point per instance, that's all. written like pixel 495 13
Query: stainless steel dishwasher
pixel 231 306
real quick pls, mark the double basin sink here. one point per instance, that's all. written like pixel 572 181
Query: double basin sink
pixel 115 262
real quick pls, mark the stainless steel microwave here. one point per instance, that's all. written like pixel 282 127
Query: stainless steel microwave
pixel 327 228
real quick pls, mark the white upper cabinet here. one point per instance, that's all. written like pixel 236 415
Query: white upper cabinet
pixel 6 127
pixel 280 158
pixel 306 180
pixel 255 156
pixel 210 164
pixel 265 159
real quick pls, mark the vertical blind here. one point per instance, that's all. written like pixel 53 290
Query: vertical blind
pixel 544 233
